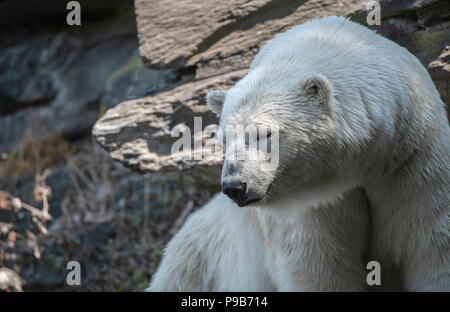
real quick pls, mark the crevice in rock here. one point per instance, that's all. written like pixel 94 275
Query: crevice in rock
pixel 9 106
pixel 425 16
pixel 184 74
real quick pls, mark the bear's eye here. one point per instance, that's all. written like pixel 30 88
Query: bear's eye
pixel 264 141
pixel 267 136
pixel 263 136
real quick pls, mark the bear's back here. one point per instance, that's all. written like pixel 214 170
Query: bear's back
pixel 354 58
pixel 332 37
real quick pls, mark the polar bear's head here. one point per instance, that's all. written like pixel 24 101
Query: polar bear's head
pixel 300 109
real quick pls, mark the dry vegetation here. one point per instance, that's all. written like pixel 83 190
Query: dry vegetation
pixel 114 222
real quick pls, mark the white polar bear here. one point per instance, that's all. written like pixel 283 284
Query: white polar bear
pixel 358 116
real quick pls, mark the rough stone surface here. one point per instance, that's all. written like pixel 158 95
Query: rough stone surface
pixel 172 31
pixel 423 27
pixel 440 72
pixel 142 138
pixel 49 87
pixel 134 80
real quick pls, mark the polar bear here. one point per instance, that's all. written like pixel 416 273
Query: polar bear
pixel 361 126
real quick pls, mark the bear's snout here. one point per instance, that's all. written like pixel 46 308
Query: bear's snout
pixel 236 189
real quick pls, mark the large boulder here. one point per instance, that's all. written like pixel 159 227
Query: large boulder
pixel 53 82
pixel 423 27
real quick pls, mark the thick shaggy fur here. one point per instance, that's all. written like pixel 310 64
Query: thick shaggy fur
pixel 223 247
pixel 358 115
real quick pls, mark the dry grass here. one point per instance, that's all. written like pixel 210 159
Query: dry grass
pixel 114 222
pixel 16 238
pixel 36 156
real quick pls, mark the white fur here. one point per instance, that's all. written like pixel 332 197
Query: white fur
pixel 223 247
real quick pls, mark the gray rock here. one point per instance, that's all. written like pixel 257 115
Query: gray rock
pixel 174 33
pixel 423 27
pixel 138 133
pixel 52 85
pixel 134 80
pixel 440 73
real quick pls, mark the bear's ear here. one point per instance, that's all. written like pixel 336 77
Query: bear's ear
pixel 318 87
pixel 215 101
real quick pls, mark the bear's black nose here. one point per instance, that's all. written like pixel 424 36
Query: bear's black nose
pixel 235 189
